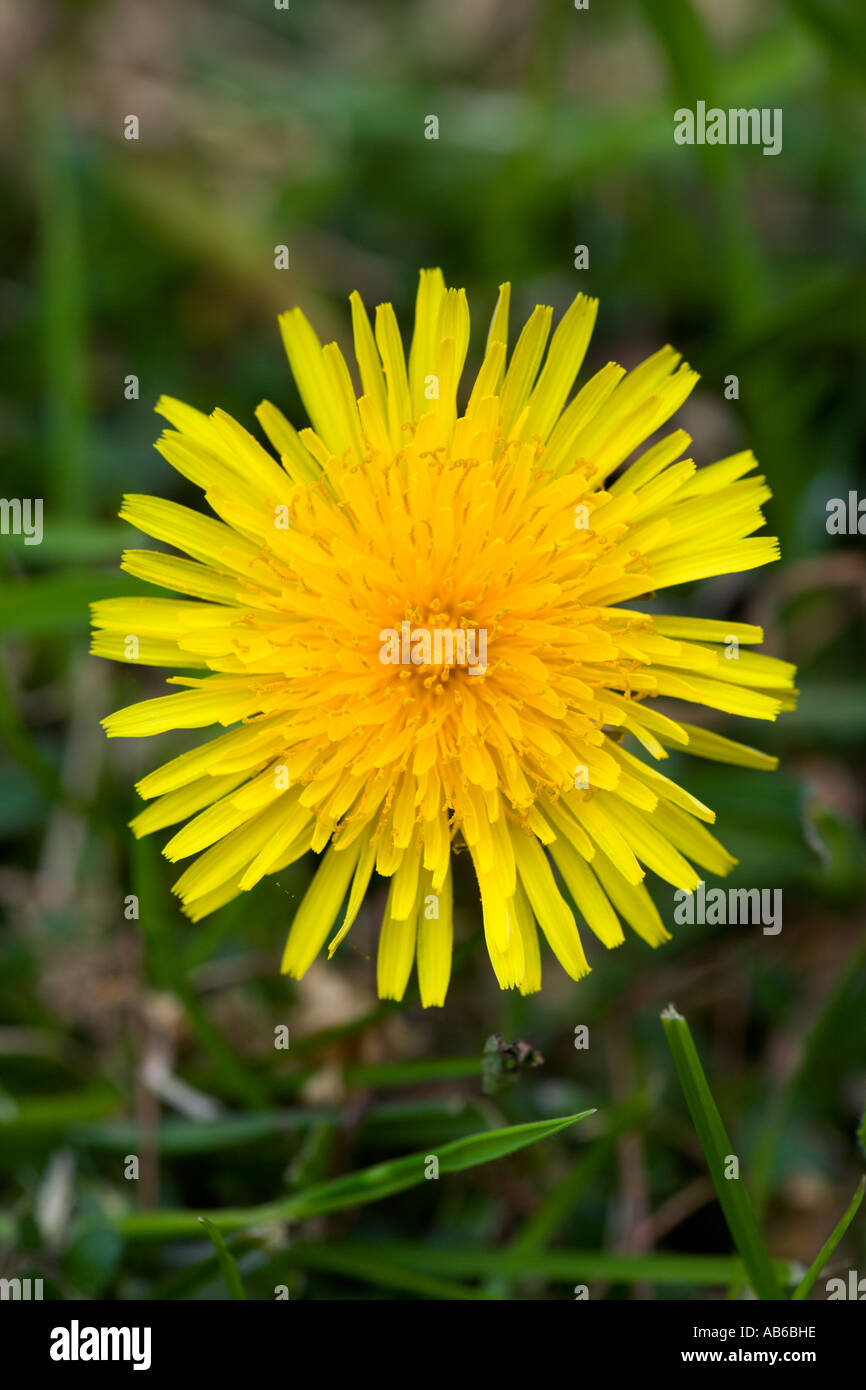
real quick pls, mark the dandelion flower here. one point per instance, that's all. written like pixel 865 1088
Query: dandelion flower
pixel 332 598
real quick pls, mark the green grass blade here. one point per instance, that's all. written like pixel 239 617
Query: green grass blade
pixel 555 1266
pixel 226 1261
pixel 230 1131
pixel 696 73
pixel 355 1189
pixel 732 1194
pixel 50 605
pixel 183 1283
pixel 63 285
pixel 37 1115
pixel 368 1267
pixel 804 1288
pixel 413 1073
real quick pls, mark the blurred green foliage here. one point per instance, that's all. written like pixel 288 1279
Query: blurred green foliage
pixel 155 258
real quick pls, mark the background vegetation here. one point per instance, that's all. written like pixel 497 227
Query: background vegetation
pixel 155 258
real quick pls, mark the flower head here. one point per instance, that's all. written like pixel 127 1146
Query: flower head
pixel 416 628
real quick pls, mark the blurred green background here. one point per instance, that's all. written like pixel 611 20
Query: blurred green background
pixel 155 258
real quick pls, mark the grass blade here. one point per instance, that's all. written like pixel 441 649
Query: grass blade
pixel 225 1259
pixel 552 1266
pixel 732 1194
pixel 63 298
pixel 366 1266
pixel 355 1189
pixel 804 1288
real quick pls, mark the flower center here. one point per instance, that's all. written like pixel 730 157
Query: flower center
pixel 432 642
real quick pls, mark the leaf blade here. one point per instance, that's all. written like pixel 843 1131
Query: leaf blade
pixel 356 1189
pixel 731 1192
pixel 804 1288
pixel 225 1260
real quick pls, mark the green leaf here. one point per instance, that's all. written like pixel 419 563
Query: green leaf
pixel 355 1189
pixel 77 544
pixel 687 46
pixel 232 1130
pixel 63 289
pixel 412 1073
pixel 227 1263
pixel 47 1114
pixel 183 1283
pixel 805 1285
pixel 49 604
pixel 732 1194
pixel 566 1266
pixel 367 1266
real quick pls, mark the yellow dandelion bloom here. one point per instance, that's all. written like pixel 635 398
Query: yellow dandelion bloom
pixel 415 628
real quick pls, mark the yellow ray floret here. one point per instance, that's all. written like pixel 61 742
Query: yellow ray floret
pixel 414 629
